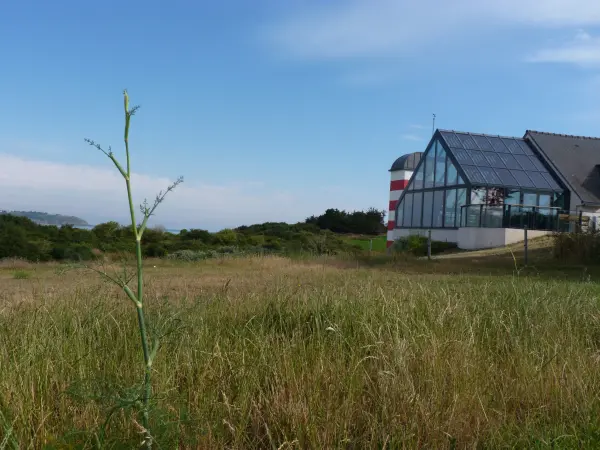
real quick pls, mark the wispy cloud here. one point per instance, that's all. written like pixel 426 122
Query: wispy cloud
pixel 583 49
pixel 96 194
pixel 359 28
pixel 417 126
pixel 411 137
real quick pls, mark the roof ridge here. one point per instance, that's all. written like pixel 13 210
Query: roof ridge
pixel 480 134
pixel 562 135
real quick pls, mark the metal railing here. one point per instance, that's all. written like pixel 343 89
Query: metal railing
pixel 525 216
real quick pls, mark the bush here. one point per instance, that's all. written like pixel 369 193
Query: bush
pixel 417 245
pixel 577 247
pixel 21 275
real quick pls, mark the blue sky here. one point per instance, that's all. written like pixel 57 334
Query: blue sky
pixel 273 110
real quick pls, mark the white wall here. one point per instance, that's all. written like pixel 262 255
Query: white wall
pixel 472 238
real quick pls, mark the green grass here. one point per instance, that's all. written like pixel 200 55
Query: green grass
pixel 379 242
pixel 271 353
pixel 21 275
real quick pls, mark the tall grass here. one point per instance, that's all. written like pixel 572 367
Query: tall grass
pixel 271 353
pixel 583 247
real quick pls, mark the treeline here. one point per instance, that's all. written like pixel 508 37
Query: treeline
pixel 20 237
pixel 357 222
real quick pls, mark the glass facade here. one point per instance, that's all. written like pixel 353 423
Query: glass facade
pixel 435 193
pixel 459 169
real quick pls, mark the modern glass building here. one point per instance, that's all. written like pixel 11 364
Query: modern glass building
pixel 468 180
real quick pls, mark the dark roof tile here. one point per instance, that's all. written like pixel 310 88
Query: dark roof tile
pixel 576 159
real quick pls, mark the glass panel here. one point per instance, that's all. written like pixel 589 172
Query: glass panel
pixel 529 198
pixel 417 208
pixel 430 165
pixel 462 156
pixel 406 221
pixel 467 140
pixel 497 144
pixel 473 174
pixel 399 213
pixel 461 200
pixel 495 196
pixel 506 177
pixel 512 197
pixel 494 160
pixel 438 209
pixel 427 208
pixel 489 175
pixel 478 195
pixel 482 142
pixel 513 146
pixel 553 184
pixel 538 164
pixel 513 213
pixel 451 139
pixel 478 158
pixel 509 161
pixel 522 178
pixel 525 147
pixel 451 174
pixel 538 180
pixel 525 162
pixel 450 209
pixel 546 217
pixel 460 180
pixel 559 200
pixel 440 166
pixel 417 182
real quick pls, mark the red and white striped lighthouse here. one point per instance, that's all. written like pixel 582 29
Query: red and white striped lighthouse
pixel 400 174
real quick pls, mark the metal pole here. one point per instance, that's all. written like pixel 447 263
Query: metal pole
pixel 429 245
pixel 370 246
pixel 526 246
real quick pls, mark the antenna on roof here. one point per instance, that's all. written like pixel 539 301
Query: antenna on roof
pixel 433 126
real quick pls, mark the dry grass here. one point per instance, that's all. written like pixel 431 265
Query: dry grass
pixel 274 353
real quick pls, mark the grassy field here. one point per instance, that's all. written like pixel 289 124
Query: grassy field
pixel 323 353
pixel 379 242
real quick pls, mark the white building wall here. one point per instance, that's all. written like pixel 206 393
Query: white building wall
pixel 472 238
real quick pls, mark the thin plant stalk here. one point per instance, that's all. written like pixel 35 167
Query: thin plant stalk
pixel 138 297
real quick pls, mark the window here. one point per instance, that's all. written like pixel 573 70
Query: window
pixel 461 200
pixel 451 174
pixel 418 180
pixel 529 199
pixel 427 208
pixel 407 219
pixel 430 166
pixel 478 195
pixel 399 213
pixel 450 209
pixel 440 166
pixel 417 208
pixel 438 209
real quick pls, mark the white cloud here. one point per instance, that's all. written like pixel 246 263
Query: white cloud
pixel 367 28
pixel 411 137
pixel 583 49
pixel 98 194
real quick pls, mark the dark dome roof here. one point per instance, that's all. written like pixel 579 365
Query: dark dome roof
pixel 407 162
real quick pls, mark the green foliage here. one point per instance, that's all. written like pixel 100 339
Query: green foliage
pixel 417 245
pixel 359 222
pixel 583 247
pixel 21 275
pixel 22 238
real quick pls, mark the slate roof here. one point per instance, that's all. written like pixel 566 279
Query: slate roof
pixel 407 162
pixel 576 159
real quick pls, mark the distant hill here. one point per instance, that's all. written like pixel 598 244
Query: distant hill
pixel 43 218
